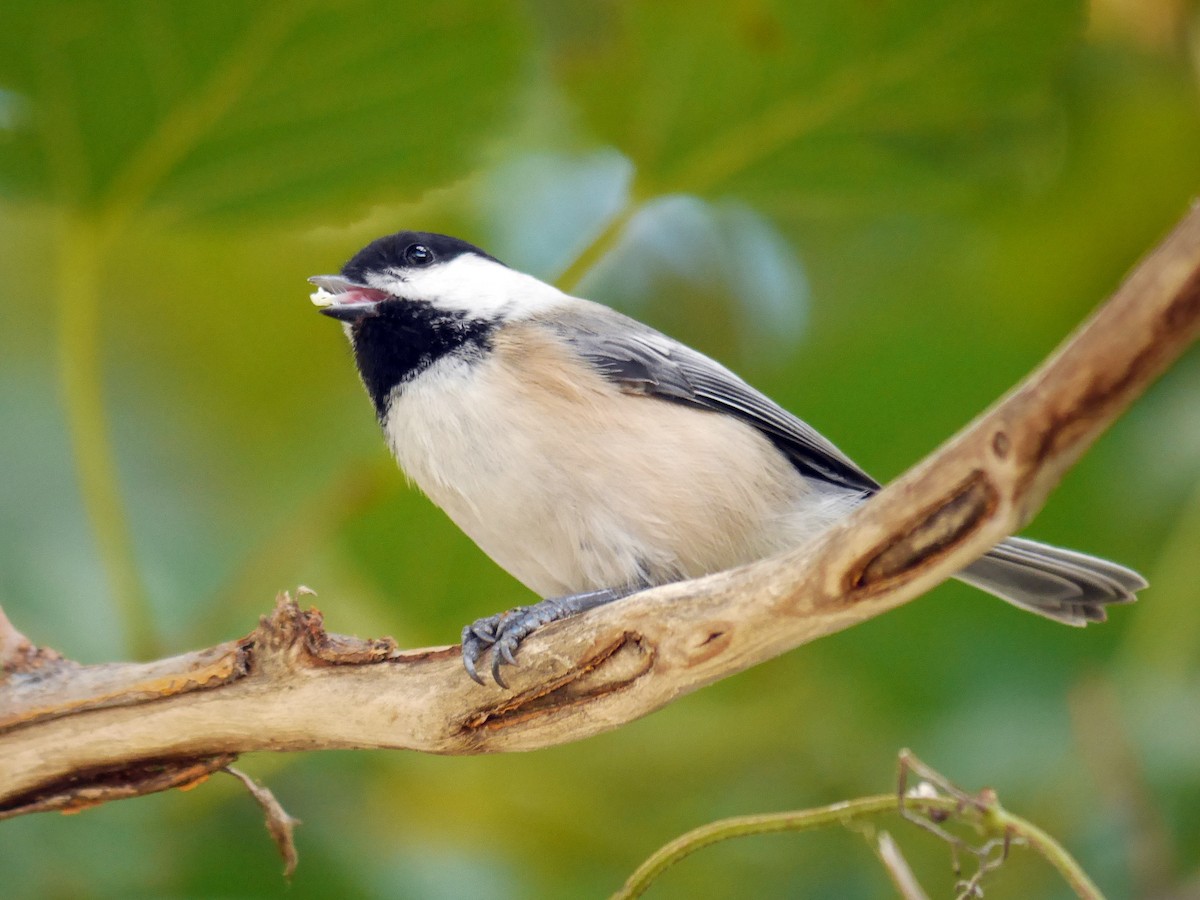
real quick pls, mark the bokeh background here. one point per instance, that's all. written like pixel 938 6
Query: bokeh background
pixel 881 213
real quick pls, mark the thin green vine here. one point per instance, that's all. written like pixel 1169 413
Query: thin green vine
pixel 935 800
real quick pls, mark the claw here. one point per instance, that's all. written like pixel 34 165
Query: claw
pixel 469 665
pixel 471 651
pixel 505 649
pixel 496 660
pixel 505 631
pixel 483 631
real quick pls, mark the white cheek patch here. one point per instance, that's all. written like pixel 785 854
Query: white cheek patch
pixel 479 288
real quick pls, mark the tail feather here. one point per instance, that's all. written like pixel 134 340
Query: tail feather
pixel 1059 584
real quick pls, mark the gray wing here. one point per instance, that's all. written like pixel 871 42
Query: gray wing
pixel 644 361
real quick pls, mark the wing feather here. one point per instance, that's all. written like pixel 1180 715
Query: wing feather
pixel 644 361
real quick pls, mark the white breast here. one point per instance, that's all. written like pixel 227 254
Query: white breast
pixel 571 485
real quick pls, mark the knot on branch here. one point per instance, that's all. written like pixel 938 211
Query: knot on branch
pixel 18 654
pixel 934 530
pixel 290 635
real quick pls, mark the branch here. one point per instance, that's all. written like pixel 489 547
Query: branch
pixel 73 735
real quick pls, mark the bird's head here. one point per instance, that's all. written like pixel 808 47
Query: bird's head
pixel 414 298
pixel 440 274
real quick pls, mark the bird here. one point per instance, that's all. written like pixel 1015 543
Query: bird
pixel 592 456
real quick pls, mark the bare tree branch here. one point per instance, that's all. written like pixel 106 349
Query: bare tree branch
pixel 73 735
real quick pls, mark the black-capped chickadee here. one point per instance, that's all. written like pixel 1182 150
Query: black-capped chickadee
pixel 592 456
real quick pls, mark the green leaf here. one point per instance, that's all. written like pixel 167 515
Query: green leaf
pixel 781 102
pixel 247 109
pixel 714 273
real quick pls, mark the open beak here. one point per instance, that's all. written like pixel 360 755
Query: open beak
pixel 341 299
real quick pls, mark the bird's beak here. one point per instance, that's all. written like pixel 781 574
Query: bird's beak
pixel 341 299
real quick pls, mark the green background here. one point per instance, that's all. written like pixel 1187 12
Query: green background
pixel 881 213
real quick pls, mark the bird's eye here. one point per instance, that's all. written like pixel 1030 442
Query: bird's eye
pixel 418 255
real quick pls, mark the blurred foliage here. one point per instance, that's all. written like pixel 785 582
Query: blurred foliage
pixel 233 109
pixel 881 213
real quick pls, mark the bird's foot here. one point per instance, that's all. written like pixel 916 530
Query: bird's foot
pixel 504 631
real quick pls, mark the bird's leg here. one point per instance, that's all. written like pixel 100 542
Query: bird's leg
pixel 504 631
